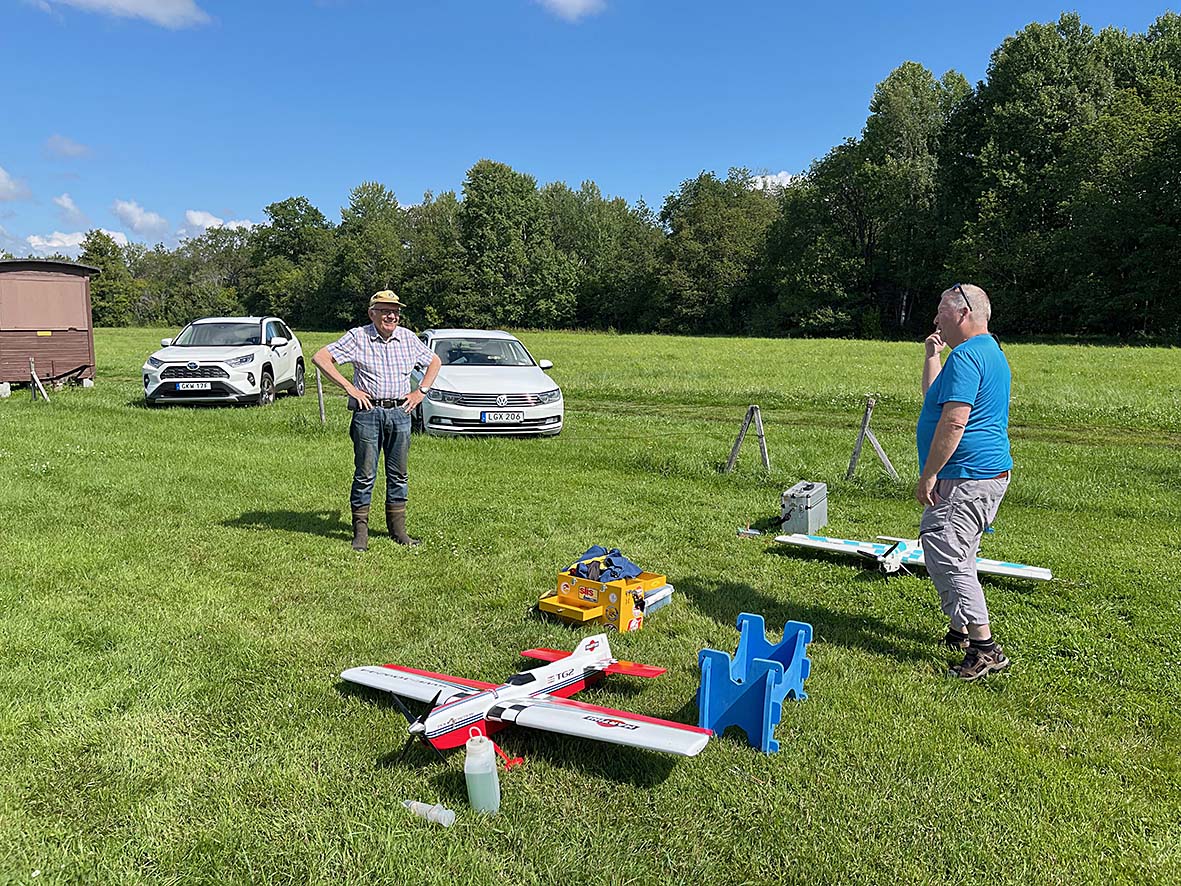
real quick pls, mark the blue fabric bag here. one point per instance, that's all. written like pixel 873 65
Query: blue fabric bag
pixel 600 564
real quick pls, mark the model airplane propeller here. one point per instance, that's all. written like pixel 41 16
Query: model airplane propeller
pixel 905 552
pixel 461 708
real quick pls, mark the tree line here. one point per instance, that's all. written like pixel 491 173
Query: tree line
pixel 1055 183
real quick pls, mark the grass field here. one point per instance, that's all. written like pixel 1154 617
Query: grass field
pixel 178 596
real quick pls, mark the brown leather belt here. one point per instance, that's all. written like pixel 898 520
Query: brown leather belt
pixel 1003 475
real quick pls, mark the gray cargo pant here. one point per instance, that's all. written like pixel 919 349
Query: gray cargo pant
pixel 950 534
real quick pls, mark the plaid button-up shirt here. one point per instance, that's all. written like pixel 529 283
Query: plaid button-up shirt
pixel 381 366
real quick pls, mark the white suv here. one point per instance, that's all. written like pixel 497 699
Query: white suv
pixel 226 360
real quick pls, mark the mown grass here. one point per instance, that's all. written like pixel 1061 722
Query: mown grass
pixel 177 598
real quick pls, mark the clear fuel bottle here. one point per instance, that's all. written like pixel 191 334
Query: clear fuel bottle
pixel 479 770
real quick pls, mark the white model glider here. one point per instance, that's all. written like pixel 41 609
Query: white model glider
pixel 461 708
pixel 893 554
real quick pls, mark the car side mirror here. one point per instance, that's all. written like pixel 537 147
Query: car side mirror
pixel 165 342
pixel 546 364
pixel 278 341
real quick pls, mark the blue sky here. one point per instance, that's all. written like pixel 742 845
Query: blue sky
pixel 154 118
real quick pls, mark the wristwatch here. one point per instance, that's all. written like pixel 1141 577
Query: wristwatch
pixel 425 390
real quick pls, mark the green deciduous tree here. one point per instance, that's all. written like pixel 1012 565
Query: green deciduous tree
pixel 810 274
pixel 113 291
pixel 716 231
pixel 1124 214
pixel 1043 84
pixel 290 256
pixel 908 113
pixel 436 284
pixel 369 255
pixel 613 247
pixel 518 276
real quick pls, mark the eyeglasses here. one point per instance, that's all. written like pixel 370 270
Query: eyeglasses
pixel 959 287
pixel 382 312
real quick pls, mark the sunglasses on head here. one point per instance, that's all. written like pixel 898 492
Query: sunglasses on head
pixel 959 287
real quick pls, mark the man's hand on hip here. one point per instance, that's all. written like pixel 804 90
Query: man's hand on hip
pixel 925 492
pixel 364 401
pixel 412 401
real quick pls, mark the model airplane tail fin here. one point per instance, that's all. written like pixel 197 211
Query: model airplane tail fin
pixel 596 646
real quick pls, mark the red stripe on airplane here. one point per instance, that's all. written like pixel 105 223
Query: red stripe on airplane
pixel 458 736
pixel 462 681
pixel 628 715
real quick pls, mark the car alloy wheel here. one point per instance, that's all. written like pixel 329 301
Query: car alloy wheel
pixel 266 389
pixel 300 384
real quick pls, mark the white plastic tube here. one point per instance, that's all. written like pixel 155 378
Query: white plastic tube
pixel 435 813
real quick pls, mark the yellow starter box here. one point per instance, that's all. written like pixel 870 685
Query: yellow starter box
pixel 618 604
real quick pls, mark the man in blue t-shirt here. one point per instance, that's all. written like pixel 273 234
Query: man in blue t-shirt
pixel 964 460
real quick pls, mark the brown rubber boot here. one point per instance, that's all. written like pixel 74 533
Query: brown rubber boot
pixel 361 528
pixel 395 519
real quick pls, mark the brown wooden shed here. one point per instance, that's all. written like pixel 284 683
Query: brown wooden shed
pixel 45 314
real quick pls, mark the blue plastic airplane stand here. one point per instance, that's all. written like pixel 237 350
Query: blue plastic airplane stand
pixel 748 691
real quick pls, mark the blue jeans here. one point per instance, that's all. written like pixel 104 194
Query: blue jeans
pixel 386 431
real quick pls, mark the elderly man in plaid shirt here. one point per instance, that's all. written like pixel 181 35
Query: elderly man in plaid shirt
pixel 383 355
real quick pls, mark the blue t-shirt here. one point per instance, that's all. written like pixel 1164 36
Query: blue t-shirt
pixel 977 373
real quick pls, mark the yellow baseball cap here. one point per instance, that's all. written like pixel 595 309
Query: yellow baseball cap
pixel 387 298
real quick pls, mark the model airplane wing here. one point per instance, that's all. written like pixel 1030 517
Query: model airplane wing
pixel 838 545
pixel 413 683
pixel 911 554
pixel 568 717
pixel 1013 570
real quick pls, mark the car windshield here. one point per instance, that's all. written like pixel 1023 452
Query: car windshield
pixel 217 335
pixel 481 352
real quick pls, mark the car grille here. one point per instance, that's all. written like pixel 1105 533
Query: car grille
pixel 475 424
pixel 488 401
pixel 199 372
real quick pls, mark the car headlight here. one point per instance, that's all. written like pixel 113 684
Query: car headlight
pixel 240 361
pixel 441 396
pixel 549 396
pixel 154 363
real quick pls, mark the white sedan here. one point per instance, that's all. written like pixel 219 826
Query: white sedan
pixel 488 384
pixel 226 360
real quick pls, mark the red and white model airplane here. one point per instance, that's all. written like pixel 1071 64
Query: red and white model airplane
pixel 461 708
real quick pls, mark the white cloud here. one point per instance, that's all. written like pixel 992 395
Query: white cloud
pixel 772 181
pixel 198 220
pixel 573 10
pixel 61 146
pixel 166 13
pixel 139 219
pixel 9 243
pixel 10 188
pixel 71 214
pixel 67 244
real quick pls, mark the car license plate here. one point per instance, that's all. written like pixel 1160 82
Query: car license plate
pixel 194 385
pixel 502 418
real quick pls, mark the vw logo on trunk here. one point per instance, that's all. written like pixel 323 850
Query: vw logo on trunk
pixel 501 400
pixel 190 366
